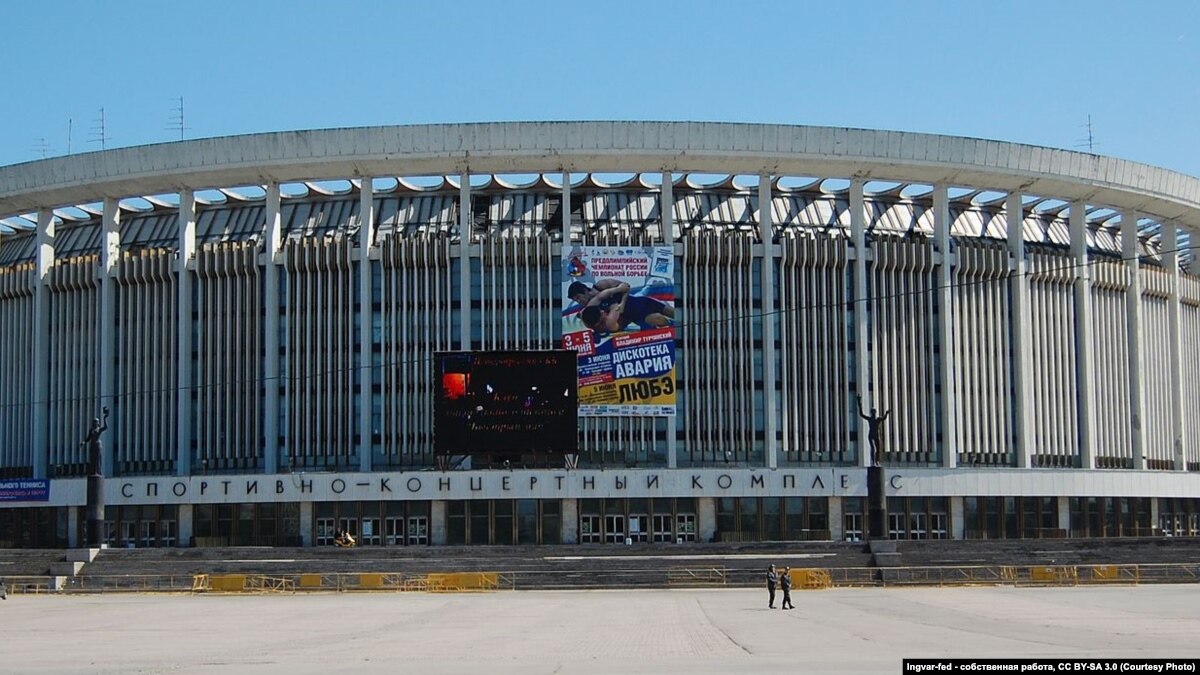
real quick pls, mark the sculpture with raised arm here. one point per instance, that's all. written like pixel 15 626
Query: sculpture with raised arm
pixel 874 430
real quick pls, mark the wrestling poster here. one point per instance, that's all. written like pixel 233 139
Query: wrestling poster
pixel 619 314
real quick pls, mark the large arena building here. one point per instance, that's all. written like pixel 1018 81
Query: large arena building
pixel 269 318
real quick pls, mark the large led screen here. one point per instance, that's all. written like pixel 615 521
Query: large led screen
pixel 505 402
pixel 619 314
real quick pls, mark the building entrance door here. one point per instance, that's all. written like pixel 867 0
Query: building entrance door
pixel 418 531
pixel 393 532
pixel 614 529
pixel 639 526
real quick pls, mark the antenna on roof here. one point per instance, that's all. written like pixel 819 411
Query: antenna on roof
pixel 41 146
pixel 98 130
pixel 177 119
pixel 70 128
pixel 1090 141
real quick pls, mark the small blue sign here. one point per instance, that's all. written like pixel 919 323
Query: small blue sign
pixel 25 490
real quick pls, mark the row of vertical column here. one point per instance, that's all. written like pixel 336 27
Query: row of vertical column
pixel 1052 419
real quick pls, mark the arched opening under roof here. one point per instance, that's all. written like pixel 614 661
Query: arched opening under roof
pixel 73 213
pixel 916 191
pixel 248 192
pixel 745 181
pixel 651 179
pixel 25 221
pixel 1103 216
pixel 989 198
pixel 211 196
pixel 384 184
pixel 476 180
pixel 705 181
pixel 136 204
pixel 170 199
pixel 427 182
pixel 797 182
pixel 835 185
pixel 291 190
pixel 613 179
pixel 1053 207
pixel 881 187
pixel 333 187
pixel 954 192
pixel 518 180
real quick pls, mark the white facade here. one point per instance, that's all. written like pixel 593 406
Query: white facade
pixel 1030 317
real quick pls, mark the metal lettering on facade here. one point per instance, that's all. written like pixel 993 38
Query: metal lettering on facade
pixel 486 485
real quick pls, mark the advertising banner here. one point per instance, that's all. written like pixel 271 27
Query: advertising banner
pixel 619 314
pixel 26 490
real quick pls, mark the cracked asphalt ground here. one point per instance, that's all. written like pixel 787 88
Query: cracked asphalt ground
pixel 849 630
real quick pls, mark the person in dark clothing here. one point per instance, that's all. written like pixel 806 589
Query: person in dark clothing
pixel 772 580
pixel 785 583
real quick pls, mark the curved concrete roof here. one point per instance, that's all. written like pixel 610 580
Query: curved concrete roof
pixel 535 147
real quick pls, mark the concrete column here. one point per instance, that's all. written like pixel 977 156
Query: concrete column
pixel 73 526
pixel 464 259
pixel 1154 517
pixel 1084 367
pixel 44 260
pixel 837 526
pixel 945 325
pixel 1020 332
pixel 186 516
pixel 1133 336
pixel 706 519
pixel 958 517
pixel 570 521
pixel 862 332
pixel 306 524
pixel 566 206
pixel 366 303
pixel 1064 514
pixel 437 522
pixel 667 216
pixel 770 400
pixel 110 251
pixel 1170 248
pixel 183 336
pixel 272 239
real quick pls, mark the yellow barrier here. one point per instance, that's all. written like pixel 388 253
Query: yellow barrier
pixel 309 581
pixel 462 581
pixel 1054 575
pixel 1113 574
pixel 811 578
pixel 265 584
pixel 370 581
pixel 227 582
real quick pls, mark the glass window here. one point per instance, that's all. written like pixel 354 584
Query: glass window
pixel 749 517
pixel 818 513
pixel 503 513
pixel 773 519
pixel 479 522
pixel 456 522
pixel 727 515
pixel 527 521
pixel 551 521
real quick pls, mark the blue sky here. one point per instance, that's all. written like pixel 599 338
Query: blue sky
pixel 1028 72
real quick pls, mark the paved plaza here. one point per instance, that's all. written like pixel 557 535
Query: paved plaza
pixel 860 630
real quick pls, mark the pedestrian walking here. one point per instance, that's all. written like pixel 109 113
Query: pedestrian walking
pixel 785 583
pixel 772 580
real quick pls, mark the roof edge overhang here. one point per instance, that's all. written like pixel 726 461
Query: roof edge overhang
pixel 546 147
